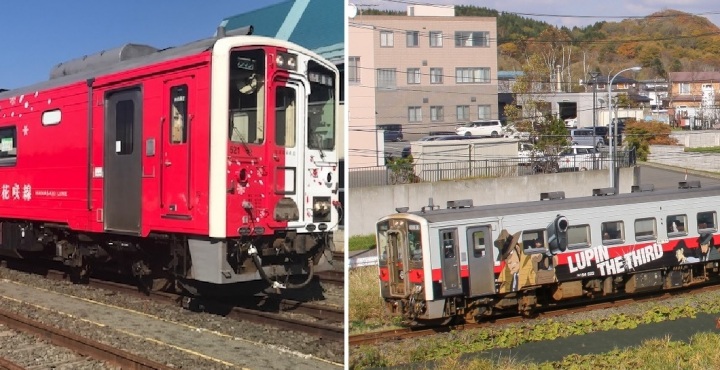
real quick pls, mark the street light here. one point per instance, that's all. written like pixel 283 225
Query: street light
pixel 594 76
pixel 613 142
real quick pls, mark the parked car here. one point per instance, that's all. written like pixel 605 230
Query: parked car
pixel 492 128
pixel 605 132
pixel 571 122
pixel 527 153
pixel 573 158
pixel 584 136
pixel 393 131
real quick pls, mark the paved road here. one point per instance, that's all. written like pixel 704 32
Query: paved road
pixel 666 177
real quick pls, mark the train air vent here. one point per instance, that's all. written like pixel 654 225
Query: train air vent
pixel 603 191
pixel 464 203
pixel 101 59
pixel 689 184
pixel 552 195
pixel 642 187
pixel 402 209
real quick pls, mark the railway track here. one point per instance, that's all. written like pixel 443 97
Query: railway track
pixel 76 344
pixel 560 310
pixel 326 325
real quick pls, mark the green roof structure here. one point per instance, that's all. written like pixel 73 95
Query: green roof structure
pixel 318 25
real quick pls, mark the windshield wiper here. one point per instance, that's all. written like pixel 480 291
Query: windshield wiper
pixel 242 141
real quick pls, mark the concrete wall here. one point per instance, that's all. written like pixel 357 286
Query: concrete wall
pixel 367 205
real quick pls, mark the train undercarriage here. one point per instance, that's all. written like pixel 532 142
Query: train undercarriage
pixel 533 299
pixel 172 262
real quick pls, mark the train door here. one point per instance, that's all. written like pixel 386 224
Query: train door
pixel 449 253
pixel 123 168
pixel 290 106
pixel 481 260
pixel 397 263
pixel 175 198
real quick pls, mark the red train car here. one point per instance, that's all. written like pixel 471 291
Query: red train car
pixel 213 161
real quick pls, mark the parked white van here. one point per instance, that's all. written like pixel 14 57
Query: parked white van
pixel 492 128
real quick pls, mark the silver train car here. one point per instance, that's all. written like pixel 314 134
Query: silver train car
pixel 471 262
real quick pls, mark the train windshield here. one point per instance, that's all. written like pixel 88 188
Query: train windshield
pixel 382 242
pixel 247 97
pixel 414 241
pixel 321 107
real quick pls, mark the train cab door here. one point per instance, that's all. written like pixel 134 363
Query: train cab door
pixel 175 196
pixel 450 256
pixel 482 256
pixel 123 166
pixel 397 263
pixel 289 151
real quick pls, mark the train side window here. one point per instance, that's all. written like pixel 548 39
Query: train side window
pixel 51 117
pixel 533 241
pixel 447 237
pixel 178 114
pixel 707 221
pixel 382 242
pixel 645 229
pixel 578 236
pixel 124 127
pixel 8 146
pixel 613 232
pixel 676 225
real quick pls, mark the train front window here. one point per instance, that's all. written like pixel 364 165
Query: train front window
pixel 247 97
pixel 321 107
pixel 382 242
pixel 414 244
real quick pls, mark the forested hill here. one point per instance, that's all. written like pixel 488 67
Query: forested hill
pixel 662 42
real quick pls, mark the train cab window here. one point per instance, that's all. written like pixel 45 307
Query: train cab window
pixel 246 102
pixel 321 107
pixel 578 236
pixel 533 241
pixel 676 225
pixel 178 114
pixel 707 222
pixel 613 232
pixel 285 116
pixel 382 242
pixel 645 229
pixel 8 146
pixel 414 244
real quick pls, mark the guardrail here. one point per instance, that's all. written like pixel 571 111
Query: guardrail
pixel 484 168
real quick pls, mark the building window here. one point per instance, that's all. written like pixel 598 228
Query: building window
pixel 466 39
pixel 436 114
pixel 413 76
pixel 436 39
pixel 463 113
pixel 413 39
pixel 386 39
pixel 436 75
pixel 684 88
pixel 484 112
pixel 414 114
pixel 353 70
pixel 8 146
pixel 472 75
pixel 386 78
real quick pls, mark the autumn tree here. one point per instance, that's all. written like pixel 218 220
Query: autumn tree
pixel 641 134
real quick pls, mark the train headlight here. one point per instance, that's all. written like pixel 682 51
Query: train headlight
pixel 286 61
pixel 321 209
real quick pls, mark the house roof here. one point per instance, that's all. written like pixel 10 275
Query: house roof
pixel 317 25
pixel 694 76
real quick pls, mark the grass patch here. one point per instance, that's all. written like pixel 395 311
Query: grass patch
pixel 710 149
pixel 361 242
pixel 443 346
pixel 367 310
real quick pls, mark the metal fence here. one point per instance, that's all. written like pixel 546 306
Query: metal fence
pixel 485 168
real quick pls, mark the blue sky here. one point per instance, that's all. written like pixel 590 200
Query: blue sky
pixel 39 34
